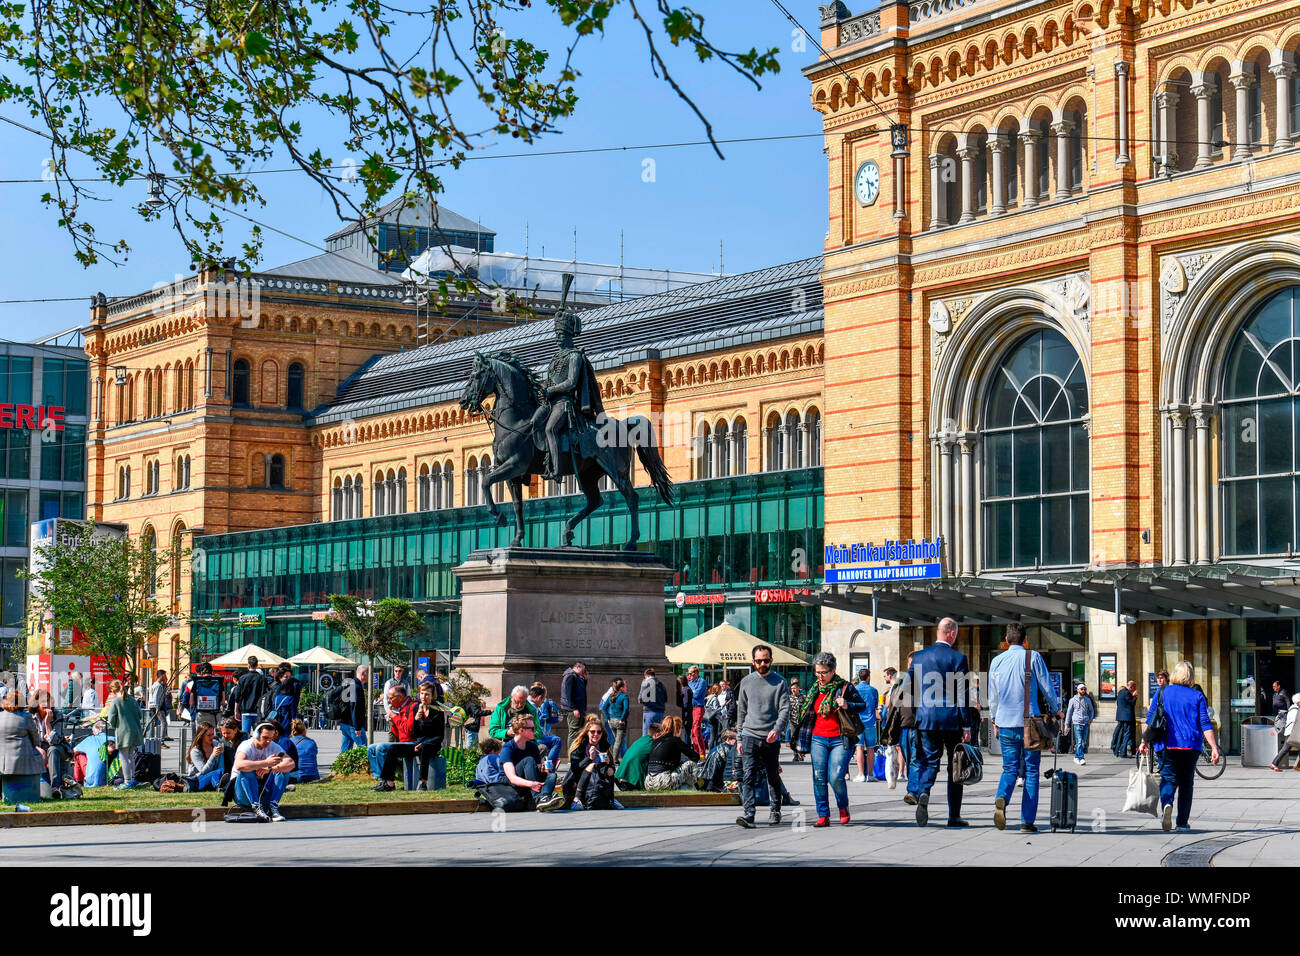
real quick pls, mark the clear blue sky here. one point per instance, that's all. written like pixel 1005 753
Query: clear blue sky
pixel 766 202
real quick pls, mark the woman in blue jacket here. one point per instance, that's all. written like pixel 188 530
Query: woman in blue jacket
pixel 1187 717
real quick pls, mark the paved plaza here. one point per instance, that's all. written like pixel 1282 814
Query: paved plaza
pixel 1245 818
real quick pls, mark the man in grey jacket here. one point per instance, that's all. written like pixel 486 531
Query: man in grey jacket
pixel 762 712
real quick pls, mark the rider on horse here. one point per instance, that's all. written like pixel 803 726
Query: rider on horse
pixel 572 392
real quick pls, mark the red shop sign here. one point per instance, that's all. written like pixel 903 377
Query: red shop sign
pixel 32 417
pixel 779 595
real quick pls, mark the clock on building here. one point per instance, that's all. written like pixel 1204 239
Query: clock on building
pixel 866 185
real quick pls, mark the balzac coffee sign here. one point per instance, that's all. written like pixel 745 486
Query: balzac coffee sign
pixel 31 417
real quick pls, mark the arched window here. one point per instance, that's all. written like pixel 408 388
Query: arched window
pixel 401 491
pixel 795 436
pixel 1036 457
pixel 448 486
pixel 721 450
pixel 390 487
pixel 149 554
pixel 336 500
pixel 174 571
pixel 423 498
pixel 297 375
pixel 774 441
pixel 740 446
pixel 812 423
pixel 471 481
pixel 187 471
pixel 1260 413
pixel 377 490
pixel 703 458
pixel 239 386
pixel 275 471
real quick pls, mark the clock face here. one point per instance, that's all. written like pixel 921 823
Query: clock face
pixel 866 185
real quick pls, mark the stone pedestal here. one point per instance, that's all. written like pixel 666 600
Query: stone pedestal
pixel 527 614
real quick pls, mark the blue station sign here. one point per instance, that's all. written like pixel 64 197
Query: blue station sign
pixel 867 561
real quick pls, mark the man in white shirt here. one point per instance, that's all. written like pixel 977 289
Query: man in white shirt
pixel 261 770
pixel 397 678
pixel 1007 711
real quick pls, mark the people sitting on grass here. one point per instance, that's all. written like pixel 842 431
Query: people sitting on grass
pixel 307 768
pixel 547 715
pixel 503 715
pixel 590 734
pixel 632 768
pixel 672 760
pixel 401 716
pixel 261 770
pixel 521 763
pixel 231 737
pixel 205 758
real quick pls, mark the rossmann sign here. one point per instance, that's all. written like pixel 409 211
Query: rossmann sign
pixel 31 417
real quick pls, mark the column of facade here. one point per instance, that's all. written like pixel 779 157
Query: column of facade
pixel 1122 157
pixel 1178 466
pixel 1029 181
pixel 1167 103
pixel 1204 148
pixel 1282 73
pixel 730 454
pixel 1062 131
pixel 900 185
pixel 805 444
pixel 998 149
pixel 945 495
pixel 967 155
pixel 967 532
pixel 1201 416
pixel 1242 82
pixel 937 218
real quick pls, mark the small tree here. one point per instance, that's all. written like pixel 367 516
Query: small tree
pixel 104 586
pixel 376 631
pixel 463 690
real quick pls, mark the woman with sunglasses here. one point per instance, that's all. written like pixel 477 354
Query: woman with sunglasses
pixel 589 746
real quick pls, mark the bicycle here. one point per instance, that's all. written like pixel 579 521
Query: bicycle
pixel 1205 768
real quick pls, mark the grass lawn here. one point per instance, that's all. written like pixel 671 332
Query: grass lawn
pixel 350 789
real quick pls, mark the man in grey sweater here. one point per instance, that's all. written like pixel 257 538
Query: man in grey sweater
pixel 762 712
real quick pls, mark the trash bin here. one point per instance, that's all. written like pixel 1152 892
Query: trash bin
pixel 1258 741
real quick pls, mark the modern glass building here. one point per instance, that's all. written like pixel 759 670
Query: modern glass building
pixel 726 540
pixel 43 385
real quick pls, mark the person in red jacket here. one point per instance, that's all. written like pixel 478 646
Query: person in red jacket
pixel 401 716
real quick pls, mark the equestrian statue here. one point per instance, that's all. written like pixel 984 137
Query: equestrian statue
pixel 559 428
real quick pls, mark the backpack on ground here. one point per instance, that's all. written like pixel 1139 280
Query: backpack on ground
pixel 148 766
pixel 504 797
pixel 238 814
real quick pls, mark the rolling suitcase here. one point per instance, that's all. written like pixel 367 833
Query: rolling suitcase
pixel 1065 798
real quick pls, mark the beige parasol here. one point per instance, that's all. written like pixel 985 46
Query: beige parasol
pixel 728 646
pixel 239 658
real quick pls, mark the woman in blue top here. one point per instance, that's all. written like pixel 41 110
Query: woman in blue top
pixel 1188 719
pixel 615 708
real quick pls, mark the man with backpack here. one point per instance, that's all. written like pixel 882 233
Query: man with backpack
pixel 205 696
pixel 654 700
pixel 248 696
pixel 346 703
pixel 280 698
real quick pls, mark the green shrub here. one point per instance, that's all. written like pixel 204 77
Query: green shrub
pixel 354 761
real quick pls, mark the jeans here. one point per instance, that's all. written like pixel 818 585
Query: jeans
pixel 352 737
pixel 830 763
pixel 247 722
pixel 209 781
pixel 649 717
pixel 754 751
pixel 1177 773
pixel 392 754
pixel 527 768
pixel 930 747
pixel 697 730
pixel 378 753
pixel 552 745
pixel 1014 755
pixel 471 739
pixel 1081 733
pixel 619 737
pixel 249 790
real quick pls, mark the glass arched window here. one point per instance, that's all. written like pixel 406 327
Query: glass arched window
pixel 1036 457
pixel 149 554
pixel 296 376
pixel 1260 411
pixel 336 503
pixel 275 471
pixel 239 386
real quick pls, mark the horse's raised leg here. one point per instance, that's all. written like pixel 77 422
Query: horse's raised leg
pixel 517 496
pixel 589 481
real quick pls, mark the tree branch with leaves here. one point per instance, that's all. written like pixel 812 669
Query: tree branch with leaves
pixel 376 631
pixel 201 93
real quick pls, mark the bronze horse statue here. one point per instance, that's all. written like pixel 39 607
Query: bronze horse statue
pixel 518 445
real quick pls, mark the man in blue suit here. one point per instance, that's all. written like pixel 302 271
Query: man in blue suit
pixel 947 709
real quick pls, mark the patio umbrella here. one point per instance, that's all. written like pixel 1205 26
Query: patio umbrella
pixel 239 658
pixel 320 656
pixel 728 646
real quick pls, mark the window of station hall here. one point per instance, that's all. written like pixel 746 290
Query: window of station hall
pixel 1036 457
pixel 1259 420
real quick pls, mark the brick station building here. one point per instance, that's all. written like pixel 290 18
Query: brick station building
pixel 293 432
pixel 1060 315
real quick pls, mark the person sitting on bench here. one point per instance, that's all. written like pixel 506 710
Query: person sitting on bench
pixel 401 716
